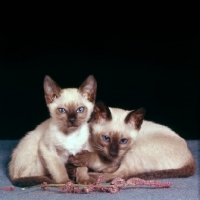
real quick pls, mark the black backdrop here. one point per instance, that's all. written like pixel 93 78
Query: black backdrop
pixel 146 56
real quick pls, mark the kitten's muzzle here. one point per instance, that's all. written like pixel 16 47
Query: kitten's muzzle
pixel 72 120
pixel 113 153
pixel 114 149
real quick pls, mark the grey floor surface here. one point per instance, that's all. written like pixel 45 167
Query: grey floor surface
pixel 182 188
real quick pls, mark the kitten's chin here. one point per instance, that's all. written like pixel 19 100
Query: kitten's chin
pixel 72 128
pixel 110 158
pixel 69 129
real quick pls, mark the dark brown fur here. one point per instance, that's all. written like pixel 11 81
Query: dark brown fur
pixel 30 181
pixel 101 111
pixel 186 171
pixel 92 95
pixel 50 95
pixel 71 120
pixel 137 120
pixel 113 150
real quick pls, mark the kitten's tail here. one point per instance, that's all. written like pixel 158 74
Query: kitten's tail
pixel 185 171
pixel 31 181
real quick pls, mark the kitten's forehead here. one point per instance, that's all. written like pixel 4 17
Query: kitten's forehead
pixel 116 134
pixel 118 114
pixel 116 125
pixel 71 96
pixel 117 122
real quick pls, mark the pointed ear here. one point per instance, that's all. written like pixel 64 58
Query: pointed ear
pixel 135 117
pixel 88 88
pixel 101 112
pixel 51 89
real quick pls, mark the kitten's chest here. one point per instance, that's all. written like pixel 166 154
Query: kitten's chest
pixel 72 144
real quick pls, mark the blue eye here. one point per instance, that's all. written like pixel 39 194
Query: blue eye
pixel 62 110
pixel 106 138
pixel 80 110
pixel 123 141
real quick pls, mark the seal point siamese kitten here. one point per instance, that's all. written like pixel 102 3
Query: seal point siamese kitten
pixel 122 145
pixel 41 154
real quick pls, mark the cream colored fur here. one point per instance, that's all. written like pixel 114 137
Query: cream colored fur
pixel 46 149
pixel 154 148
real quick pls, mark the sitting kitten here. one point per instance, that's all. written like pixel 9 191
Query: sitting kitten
pixel 41 154
pixel 122 146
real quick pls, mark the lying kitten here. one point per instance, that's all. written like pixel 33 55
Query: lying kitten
pixel 42 154
pixel 122 146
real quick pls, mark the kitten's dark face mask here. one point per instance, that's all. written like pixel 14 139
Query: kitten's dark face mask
pixel 70 119
pixel 112 146
pixel 109 143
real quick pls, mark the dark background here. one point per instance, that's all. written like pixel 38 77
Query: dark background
pixel 142 55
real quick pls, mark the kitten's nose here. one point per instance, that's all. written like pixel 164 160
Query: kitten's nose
pixel 114 148
pixel 72 119
pixel 113 153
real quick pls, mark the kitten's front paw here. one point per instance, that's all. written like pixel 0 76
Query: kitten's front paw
pixel 71 170
pixel 86 181
pixel 81 159
pixel 64 181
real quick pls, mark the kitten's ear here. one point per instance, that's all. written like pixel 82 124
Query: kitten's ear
pixel 51 89
pixel 88 88
pixel 101 112
pixel 135 117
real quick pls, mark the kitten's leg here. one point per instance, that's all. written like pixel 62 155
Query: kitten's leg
pixel 121 172
pixel 82 176
pixel 54 165
pixel 78 174
pixel 110 169
pixel 90 160
pixel 71 170
pixel 87 159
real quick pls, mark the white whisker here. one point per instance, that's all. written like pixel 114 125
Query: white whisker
pixel 97 146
